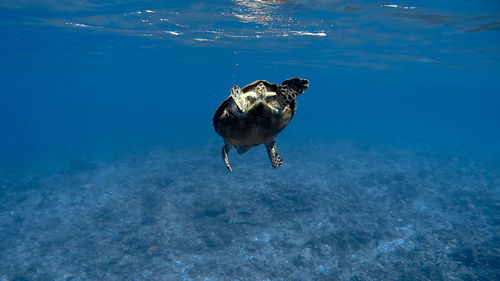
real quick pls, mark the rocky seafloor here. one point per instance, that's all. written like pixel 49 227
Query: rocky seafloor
pixel 334 211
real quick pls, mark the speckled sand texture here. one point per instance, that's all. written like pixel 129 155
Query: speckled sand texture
pixel 337 211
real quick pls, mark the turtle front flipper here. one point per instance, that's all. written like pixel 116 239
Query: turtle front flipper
pixel 272 152
pixel 291 88
pixel 225 157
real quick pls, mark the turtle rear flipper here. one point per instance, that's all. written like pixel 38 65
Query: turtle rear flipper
pixel 225 157
pixel 272 152
pixel 291 88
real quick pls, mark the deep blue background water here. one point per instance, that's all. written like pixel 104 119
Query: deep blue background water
pixel 93 76
pixel 110 168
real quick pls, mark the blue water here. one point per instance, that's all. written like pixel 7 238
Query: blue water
pixel 114 97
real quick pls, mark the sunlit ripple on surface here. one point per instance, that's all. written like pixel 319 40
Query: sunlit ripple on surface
pixel 402 30
pixel 243 19
pixel 398 6
pixel 80 25
pixel 261 12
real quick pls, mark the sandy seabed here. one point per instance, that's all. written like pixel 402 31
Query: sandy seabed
pixel 334 211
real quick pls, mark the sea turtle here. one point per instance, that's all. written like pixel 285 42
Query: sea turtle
pixel 255 114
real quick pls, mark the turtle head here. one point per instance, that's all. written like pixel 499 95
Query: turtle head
pixel 297 84
pixel 293 87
